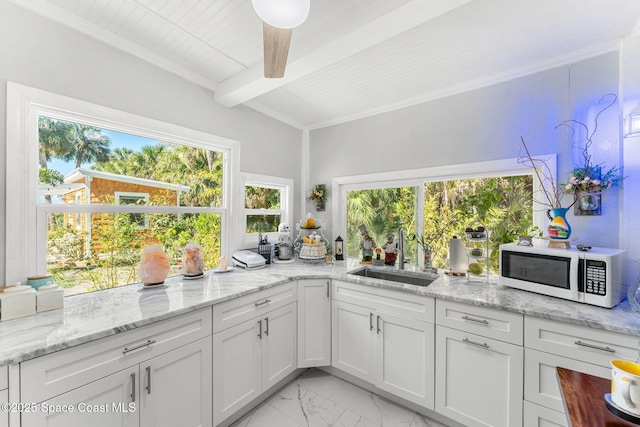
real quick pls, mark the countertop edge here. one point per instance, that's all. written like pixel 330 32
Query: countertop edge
pixel 620 319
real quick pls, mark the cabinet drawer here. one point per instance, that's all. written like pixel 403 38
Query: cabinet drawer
pixel 4 377
pixel 236 311
pixel 488 322
pixel 541 380
pixel 535 415
pixel 395 302
pixel 53 374
pixel 579 342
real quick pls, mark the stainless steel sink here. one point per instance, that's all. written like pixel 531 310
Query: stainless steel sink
pixel 412 278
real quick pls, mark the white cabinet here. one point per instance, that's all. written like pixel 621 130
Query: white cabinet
pixel 4 395
pixel 353 336
pixel 175 387
pixel 539 416
pixel 478 377
pixel 404 357
pixel 386 338
pixel 252 356
pixel 550 344
pixel 314 323
pixel 156 375
pixel 111 401
pixel 169 390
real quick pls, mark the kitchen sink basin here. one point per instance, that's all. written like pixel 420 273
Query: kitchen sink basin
pixel 412 278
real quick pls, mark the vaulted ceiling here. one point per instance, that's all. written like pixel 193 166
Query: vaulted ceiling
pixel 352 58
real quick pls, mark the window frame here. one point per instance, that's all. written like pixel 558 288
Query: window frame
pixel 417 177
pixel 285 186
pixel 26 219
pixel 139 196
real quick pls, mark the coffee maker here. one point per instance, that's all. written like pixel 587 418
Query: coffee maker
pixel 284 247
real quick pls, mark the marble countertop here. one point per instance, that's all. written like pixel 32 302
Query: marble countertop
pixel 100 314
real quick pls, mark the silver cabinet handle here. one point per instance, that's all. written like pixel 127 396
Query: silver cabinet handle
pixel 596 347
pixel 133 387
pixel 258 304
pixel 146 344
pixel 378 324
pixel 266 326
pixel 148 380
pixel 477 344
pixel 328 286
pixel 471 319
pixel 260 329
pixel 371 321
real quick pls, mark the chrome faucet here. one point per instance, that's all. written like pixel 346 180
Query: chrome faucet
pixel 401 249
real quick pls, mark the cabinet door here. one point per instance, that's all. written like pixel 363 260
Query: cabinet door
pixel 236 368
pixel 541 379
pixel 314 323
pixel 405 358
pixel 478 379
pixel 112 401
pixel 176 387
pixel 353 342
pixel 279 344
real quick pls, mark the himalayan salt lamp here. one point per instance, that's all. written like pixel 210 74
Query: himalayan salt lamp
pixel 222 264
pixel 192 261
pixel 154 265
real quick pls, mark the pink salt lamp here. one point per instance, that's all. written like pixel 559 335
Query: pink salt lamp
pixel 192 261
pixel 154 265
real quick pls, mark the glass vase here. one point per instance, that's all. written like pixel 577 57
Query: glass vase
pixel 588 204
pixel 426 260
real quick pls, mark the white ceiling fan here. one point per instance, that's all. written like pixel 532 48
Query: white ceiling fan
pixel 279 18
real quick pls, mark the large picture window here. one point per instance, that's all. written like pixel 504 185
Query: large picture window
pixel 433 205
pixel 104 184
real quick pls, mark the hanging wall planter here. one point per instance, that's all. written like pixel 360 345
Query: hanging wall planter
pixel 589 204
pixel 318 195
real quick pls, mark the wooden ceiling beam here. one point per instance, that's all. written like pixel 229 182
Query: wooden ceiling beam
pixel 251 83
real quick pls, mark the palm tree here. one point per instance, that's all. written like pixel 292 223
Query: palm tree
pixel 53 139
pixel 89 144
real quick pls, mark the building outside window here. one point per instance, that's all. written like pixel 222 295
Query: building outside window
pixel 103 185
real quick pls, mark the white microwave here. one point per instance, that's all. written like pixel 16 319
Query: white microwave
pixel 592 277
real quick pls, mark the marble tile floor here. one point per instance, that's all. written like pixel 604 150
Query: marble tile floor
pixel 317 399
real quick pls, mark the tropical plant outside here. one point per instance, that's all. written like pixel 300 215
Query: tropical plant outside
pixel 503 205
pixel 262 198
pixel 108 255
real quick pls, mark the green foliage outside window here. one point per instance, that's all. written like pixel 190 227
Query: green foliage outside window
pixel 262 198
pixel 503 204
pixel 111 256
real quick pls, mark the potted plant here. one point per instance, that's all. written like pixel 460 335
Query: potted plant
pixel 318 195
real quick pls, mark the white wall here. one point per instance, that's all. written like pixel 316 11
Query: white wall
pixel 40 53
pixel 631 226
pixel 486 124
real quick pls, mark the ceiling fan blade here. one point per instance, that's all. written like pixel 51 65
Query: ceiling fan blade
pixel 276 49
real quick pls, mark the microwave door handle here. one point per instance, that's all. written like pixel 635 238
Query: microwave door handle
pixel 573 279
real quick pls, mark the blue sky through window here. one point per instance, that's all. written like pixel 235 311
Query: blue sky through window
pixel 118 140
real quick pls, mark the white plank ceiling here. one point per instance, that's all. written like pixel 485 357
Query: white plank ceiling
pixel 353 58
